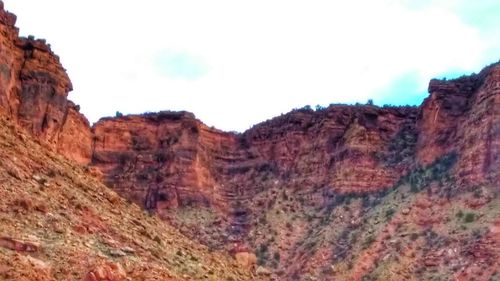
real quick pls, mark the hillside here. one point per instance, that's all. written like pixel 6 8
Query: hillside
pixel 59 223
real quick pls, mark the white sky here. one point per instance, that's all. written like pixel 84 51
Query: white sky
pixel 236 63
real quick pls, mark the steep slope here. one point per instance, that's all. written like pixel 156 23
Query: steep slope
pixel 59 223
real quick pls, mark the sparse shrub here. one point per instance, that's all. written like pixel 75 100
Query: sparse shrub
pixel 368 241
pixel 309 217
pixel 124 158
pixel 478 193
pixel 285 196
pixel 263 220
pixel 459 214
pixel 277 256
pixel 118 114
pixel 161 157
pixel 469 217
pixel 51 173
pixel 413 236
pixel 438 171
pixel 262 254
pixel 477 234
pixel 319 107
pixel 389 213
pixel 306 108
pixel 310 245
pixel 263 247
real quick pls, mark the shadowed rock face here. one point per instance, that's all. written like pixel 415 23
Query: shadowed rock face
pixel 33 92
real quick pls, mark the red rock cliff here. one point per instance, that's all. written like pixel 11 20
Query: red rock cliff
pixel 161 160
pixel 463 116
pixel 171 159
pixel 34 89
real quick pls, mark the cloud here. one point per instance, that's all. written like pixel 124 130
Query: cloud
pixel 236 63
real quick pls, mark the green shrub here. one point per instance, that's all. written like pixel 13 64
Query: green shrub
pixel 438 171
pixel 414 236
pixel 469 217
pixel 262 254
pixel 389 213
pixel 368 241
pixel 263 248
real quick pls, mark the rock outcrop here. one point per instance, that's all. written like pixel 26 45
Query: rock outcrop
pixel 161 160
pixel 33 92
pixel 463 116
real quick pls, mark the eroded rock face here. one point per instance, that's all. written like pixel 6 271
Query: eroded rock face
pixel 171 159
pixel 160 160
pixel 33 91
pixel 462 116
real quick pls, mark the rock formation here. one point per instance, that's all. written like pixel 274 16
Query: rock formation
pixel 33 92
pixel 463 116
pixel 171 159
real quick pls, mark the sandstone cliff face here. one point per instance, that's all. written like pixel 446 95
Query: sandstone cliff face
pixel 160 160
pixel 348 149
pixel 33 92
pixel 171 159
pixel 463 116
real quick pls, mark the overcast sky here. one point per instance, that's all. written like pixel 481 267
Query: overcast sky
pixel 236 63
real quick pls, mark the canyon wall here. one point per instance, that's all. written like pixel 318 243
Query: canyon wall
pixel 33 92
pixel 333 192
pixel 170 159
